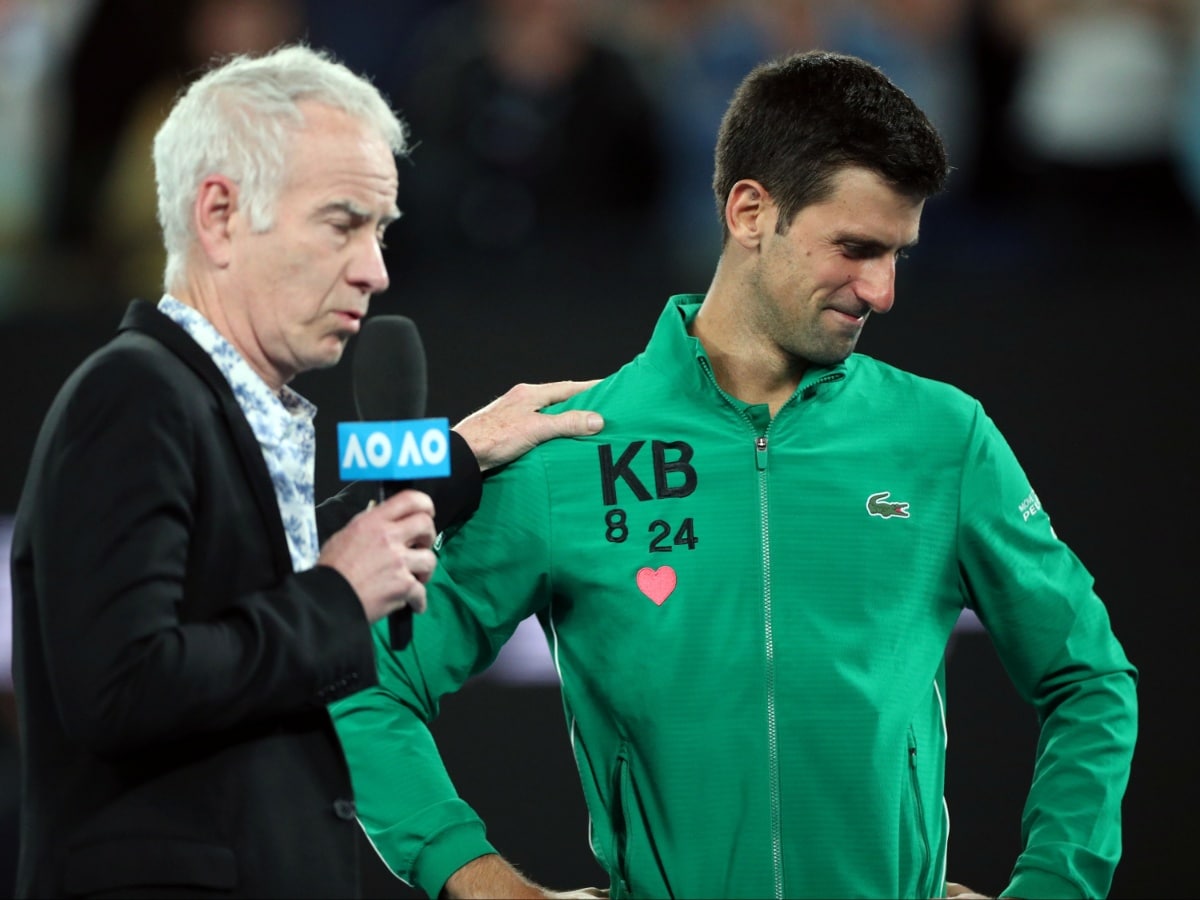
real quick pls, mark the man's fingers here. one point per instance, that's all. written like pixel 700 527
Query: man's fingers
pixel 513 424
pixel 415 599
pixel 571 423
pixel 421 564
pixel 557 391
pixel 405 503
pixel 415 531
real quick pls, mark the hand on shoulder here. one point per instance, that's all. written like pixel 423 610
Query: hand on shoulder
pixel 513 423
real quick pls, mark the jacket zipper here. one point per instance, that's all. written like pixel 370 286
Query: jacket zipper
pixel 760 464
pixel 760 460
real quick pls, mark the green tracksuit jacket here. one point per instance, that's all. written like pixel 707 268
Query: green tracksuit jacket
pixel 749 618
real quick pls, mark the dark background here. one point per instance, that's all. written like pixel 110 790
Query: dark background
pixel 1062 296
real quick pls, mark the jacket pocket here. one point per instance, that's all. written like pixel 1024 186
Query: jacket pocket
pixel 621 808
pixel 915 826
pixel 140 861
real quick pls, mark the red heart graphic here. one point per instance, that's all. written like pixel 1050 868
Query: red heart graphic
pixel 657 584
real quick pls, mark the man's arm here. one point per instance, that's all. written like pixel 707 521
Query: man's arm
pixel 1053 635
pixel 495 571
pixel 490 876
pixel 493 876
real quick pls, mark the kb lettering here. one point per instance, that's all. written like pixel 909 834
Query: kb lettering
pixel 674 475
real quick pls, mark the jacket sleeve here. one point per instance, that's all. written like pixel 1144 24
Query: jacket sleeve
pixel 454 498
pixel 492 574
pixel 138 649
pixel 1053 636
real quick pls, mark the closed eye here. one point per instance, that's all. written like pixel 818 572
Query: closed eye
pixel 858 250
pixel 873 250
pixel 346 218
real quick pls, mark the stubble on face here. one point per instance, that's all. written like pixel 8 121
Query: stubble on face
pixel 819 280
pixel 790 310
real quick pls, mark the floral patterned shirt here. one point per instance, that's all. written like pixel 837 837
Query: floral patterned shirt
pixel 283 424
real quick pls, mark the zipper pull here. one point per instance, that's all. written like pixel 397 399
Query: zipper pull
pixel 760 452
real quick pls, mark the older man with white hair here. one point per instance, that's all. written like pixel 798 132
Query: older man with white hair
pixel 179 624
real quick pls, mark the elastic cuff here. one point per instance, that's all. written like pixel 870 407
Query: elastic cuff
pixel 1034 883
pixel 450 851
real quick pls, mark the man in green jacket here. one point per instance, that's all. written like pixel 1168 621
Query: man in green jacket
pixel 749 578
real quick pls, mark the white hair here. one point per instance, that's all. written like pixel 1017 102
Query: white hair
pixel 238 120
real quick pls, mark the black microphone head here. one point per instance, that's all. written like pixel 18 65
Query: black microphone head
pixel 389 370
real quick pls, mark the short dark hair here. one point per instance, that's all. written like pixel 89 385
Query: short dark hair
pixel 795 122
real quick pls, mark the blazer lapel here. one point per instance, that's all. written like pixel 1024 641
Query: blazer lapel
pixel 144 317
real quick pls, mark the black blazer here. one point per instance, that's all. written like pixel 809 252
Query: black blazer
pixel 171 670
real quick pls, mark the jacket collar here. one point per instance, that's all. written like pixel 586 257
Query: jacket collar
pixel 674 351
pixel 143 316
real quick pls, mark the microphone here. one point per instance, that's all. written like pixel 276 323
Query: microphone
pixel 393 439
pixel 388 369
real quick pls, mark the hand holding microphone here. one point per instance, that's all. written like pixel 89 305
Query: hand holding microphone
pixel 386 553
pixel 394 446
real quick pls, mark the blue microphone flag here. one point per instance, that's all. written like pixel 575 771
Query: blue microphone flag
pixel 394 451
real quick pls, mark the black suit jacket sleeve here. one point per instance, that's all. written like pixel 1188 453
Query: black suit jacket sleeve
pixel 140 513
pixel 454 498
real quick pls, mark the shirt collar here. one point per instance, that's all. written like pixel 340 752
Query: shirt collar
pixel 240 375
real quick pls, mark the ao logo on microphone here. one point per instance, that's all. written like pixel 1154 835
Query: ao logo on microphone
pixel 394 451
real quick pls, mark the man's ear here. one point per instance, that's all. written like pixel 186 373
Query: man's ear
pixel 213 213
pixel 749 213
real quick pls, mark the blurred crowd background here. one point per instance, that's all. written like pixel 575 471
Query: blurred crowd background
pixel 559 190
pixel 585 127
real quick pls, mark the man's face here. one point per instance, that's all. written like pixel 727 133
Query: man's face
pixel 816 284
pixel 304 285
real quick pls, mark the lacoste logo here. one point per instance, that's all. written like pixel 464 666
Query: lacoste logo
pixel 879 505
